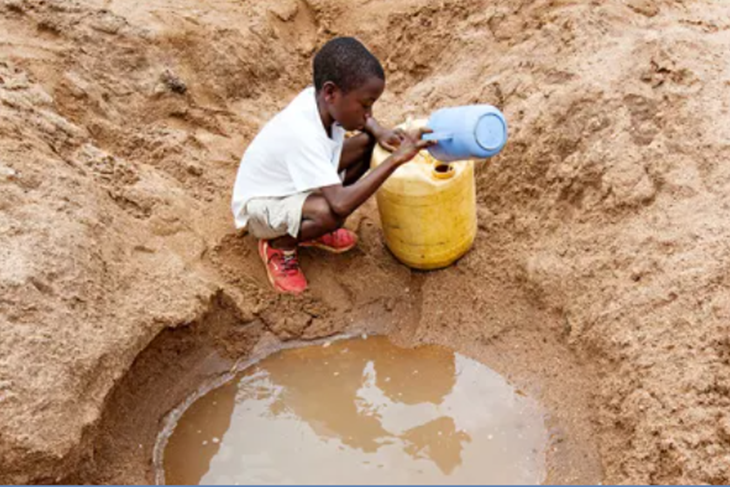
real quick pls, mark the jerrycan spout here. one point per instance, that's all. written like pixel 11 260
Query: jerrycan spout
pixel 438 136
pixel 442 170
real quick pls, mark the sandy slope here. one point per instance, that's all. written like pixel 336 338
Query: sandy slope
pixel 600 273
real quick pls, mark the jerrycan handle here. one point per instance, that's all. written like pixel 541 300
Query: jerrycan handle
pixel 438 136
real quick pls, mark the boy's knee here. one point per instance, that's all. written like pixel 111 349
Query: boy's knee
pixel 321 214
pixel 328 218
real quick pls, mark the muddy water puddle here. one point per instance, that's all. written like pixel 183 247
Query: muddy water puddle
pixel 359 411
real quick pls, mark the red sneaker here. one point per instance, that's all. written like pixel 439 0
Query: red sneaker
pixel 282 267
pixel 337 242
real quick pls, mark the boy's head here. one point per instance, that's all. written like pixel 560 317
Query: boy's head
pixel 349 79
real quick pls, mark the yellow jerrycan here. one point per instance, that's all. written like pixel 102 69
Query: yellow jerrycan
pixel 427 208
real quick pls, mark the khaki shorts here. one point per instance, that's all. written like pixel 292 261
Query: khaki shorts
pixel 269 218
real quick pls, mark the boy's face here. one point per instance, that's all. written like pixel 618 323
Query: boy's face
pixel 352 109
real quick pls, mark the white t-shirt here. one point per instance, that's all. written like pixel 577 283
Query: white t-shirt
pixel 291 154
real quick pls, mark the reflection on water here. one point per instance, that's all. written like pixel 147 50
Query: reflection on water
pixel 360 411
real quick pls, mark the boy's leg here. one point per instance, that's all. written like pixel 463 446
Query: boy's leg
pixel 322 228
pixel 317 221
pixel 287 242
pixel 319 227
pixel 272 221
pixel 317 218
pixel 355 159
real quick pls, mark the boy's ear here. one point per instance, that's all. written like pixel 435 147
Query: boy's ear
pixel 330 90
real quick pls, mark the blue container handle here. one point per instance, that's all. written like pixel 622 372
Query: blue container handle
pixel 438 136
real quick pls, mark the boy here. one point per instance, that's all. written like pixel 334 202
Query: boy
pixel 300 178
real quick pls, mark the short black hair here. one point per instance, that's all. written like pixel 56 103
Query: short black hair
pixel 346 62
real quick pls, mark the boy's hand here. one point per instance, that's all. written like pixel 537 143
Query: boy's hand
pixel 390 140
pixel 411 144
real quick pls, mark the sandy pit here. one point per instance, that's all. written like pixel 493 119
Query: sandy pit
pixel 598 282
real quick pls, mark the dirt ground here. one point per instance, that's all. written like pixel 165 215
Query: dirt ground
pixel 598 282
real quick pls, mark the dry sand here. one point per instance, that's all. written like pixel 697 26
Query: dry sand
pixel 598 282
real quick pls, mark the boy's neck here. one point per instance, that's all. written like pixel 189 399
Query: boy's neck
pixel 324 115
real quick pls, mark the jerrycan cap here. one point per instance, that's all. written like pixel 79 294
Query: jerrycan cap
pixel 491 132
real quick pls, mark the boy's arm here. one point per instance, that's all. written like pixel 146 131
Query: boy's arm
pixel 387 138
pixel 343 200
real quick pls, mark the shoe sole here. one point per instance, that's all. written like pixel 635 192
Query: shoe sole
pixel 332 250
pixel 273 283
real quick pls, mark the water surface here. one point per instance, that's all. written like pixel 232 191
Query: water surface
pixel 360 411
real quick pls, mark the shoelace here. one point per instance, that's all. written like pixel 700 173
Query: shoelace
pixel 289 263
